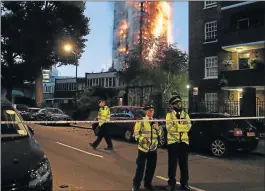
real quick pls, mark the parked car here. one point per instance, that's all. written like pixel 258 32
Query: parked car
pixel 32 111
pixel 24 166
pixel 223 136
pixel 23 110
pixel 125 130
pixel 51 114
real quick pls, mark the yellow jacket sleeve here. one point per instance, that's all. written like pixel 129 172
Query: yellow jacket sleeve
pixel 184 128
pixel 136 133
pixel 159 132
pixel 107 114
pixel 169 123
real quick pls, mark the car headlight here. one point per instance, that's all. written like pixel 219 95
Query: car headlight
pixel 40 174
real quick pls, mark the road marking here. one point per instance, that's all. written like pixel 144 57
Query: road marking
pixel 204 157
pixel 166 179
pixel 88 153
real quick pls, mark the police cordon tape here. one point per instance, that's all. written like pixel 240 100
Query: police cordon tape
pixel 130 121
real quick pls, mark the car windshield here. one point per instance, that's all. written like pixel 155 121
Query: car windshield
pixel 56 111
pixel 22 108
pixel 139 113
pixel 11 130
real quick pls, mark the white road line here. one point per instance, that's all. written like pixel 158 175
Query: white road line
pixel 166 179
pixel 204 157
pixel 88 153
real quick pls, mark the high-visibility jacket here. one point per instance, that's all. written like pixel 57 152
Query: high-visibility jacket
pixel 145 130
pixel 176 130
pixel 103 115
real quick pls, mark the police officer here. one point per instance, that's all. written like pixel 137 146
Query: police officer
pixel 178 143
pixel 147 135
pixel 103 115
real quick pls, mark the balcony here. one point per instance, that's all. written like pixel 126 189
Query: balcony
pixel 241 78
pixel 227 5
pixel 242 36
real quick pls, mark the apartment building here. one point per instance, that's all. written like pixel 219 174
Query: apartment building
pixel 65 89
pixel 135 22
pixel 102 79
pixel 226 51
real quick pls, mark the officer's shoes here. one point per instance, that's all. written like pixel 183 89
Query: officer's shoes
pixel 185 187
pixel 135 189
pixel 170 188
pixel 149 187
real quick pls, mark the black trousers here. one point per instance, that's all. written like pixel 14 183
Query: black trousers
pixel 150 159
pixel 178 153
pixel 103 133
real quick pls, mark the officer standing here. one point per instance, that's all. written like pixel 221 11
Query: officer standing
pixel 103 115
pixel 178 144
pixel 147 134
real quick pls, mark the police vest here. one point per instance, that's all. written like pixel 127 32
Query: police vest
pixel 176 130
pixel 103 115
pixel 145 130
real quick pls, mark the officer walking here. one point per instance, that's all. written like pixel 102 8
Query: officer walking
pixel 103 115
pixel 178 144
pixel 147 134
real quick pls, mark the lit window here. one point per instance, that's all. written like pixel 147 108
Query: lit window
pixel 209 4
pixel 211 67
pixel 211 31
pixel 211 102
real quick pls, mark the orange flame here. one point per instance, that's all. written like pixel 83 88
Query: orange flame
pixel 162 25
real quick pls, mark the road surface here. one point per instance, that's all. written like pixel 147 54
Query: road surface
pixel 76 166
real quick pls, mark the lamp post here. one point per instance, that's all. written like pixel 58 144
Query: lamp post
pixel 68 48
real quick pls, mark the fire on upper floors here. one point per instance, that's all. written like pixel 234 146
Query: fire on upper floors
pixel 227 56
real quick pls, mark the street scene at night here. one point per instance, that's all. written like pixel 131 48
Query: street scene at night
pixel 132 95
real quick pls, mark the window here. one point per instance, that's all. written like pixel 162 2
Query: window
pixel 107 82
pixel 211 31
pixel 211 102
pixel 11 130
pixel 243 23
pixel 211 67
pixel 110 82
pixel 90 82
pixel 210 4
pixel 101 82
pixel 114 82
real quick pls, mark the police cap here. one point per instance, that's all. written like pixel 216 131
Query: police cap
pixel 174 99
pixel 147 107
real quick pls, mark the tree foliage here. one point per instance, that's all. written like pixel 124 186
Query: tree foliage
pixel 167 69
pixel 35 31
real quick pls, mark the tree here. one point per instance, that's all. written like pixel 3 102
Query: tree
pixel 11 61
pixel 166 70
pixel 44 27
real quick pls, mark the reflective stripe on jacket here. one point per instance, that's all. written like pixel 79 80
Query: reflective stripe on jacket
pixel 176 130
pixel 103 115
pixel 144 130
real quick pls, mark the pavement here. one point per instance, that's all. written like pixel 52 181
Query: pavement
pixel 76 166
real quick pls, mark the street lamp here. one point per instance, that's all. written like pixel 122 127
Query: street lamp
pixel 188 86
pixel 69 48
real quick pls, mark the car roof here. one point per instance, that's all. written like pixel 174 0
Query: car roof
pixel 205 114
pixel 129 107
pixel 50 108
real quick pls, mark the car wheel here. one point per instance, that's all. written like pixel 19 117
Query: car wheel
pixel 219 148
pixel 128 135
